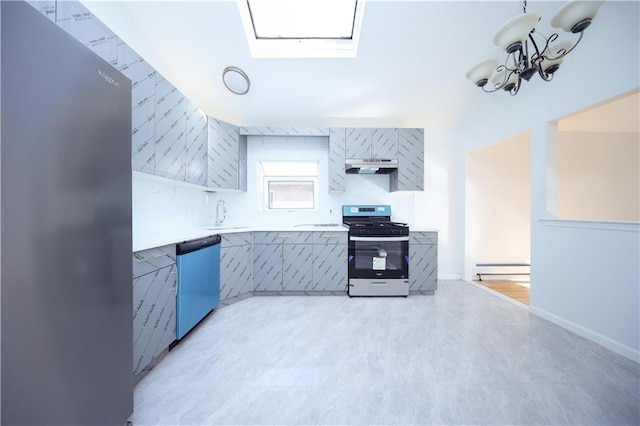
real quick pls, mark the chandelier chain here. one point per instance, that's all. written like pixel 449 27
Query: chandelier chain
pixel 524 6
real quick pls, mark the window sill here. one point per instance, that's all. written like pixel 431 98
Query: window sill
pixel 609 225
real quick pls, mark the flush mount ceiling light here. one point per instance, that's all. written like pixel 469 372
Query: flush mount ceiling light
pixel 528 51
pixel 302 28
pixel 235 80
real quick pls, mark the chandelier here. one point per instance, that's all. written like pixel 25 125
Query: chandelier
pixel 530 52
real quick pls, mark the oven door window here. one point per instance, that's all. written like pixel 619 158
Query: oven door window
pixel 378 259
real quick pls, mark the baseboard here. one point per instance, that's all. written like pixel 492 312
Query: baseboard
pixel 450 277
pixel 617 347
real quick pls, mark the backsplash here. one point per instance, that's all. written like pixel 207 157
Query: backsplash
pixel 166 207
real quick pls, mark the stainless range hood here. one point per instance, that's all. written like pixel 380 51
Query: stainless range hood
pixel 373 166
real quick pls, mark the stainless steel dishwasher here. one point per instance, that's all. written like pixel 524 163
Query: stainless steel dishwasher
pixel 198 263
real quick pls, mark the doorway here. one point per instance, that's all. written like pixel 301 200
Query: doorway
pixel 497 214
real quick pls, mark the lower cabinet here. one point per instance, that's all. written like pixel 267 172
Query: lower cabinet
pixel 329 261
pixel 154 304
pixel 296 267
pixel 423 261
pixel 300 261
pixel 236 265
pixel 267 267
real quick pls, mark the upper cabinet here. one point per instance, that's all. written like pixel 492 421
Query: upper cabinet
pixel 170 130
pixel 196 145
pixel 371 143
pixel 337 156
pixel 227 156
pixel 75 19
pixel 405 145
pixel 143 111
pixel 384 143
pixel 410 174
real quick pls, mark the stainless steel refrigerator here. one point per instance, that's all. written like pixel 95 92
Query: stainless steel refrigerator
pixel 65 175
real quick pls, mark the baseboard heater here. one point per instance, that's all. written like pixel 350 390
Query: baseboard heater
pixel 503 265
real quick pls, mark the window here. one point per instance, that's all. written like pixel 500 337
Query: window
pixel 294 194
pixel 302 19
pixel 302 28
pixel 290 185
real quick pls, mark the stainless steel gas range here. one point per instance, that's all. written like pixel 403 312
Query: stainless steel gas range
pixel 378 253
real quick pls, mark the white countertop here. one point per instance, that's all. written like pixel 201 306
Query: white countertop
pixel 159 239
pixel 151 240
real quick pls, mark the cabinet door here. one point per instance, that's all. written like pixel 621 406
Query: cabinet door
pixel 77 20
pixel 169 130
pixel 423 261
pixel 384 143
pixel 330 261
pixel 282 237
pixel 242 163
pixel 358 143
pixel 196 145
pixel 296 267
pixel 236 266
pixel 147 261
pixel 143 111
pixel 154 316
pixel 46 7
pixel 237 239
pixel 223 155
pixel 267 267
pixel 337 156
pixel 410 175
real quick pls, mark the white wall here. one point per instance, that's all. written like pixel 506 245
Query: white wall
pixel 598 176
pixel 614 38
pixel 588 281
pixel 498 203
pixel 436 208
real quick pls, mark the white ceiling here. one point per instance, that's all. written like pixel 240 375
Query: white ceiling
pixel 409 71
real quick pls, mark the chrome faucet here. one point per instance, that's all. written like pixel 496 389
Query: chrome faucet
pixel 224 211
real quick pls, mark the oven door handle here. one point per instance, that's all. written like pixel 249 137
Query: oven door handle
pixel 381 239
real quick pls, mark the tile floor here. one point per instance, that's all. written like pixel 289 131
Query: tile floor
pixel 461 356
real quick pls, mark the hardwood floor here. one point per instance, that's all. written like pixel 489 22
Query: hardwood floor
pixel 517 290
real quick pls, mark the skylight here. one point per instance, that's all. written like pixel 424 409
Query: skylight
pixel 276 19
pixel 302 28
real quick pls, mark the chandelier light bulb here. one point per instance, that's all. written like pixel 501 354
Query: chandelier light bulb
pixel 480 73
pixel 498 80
pixel 576 16
pixel 549 66
pixel 512 35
